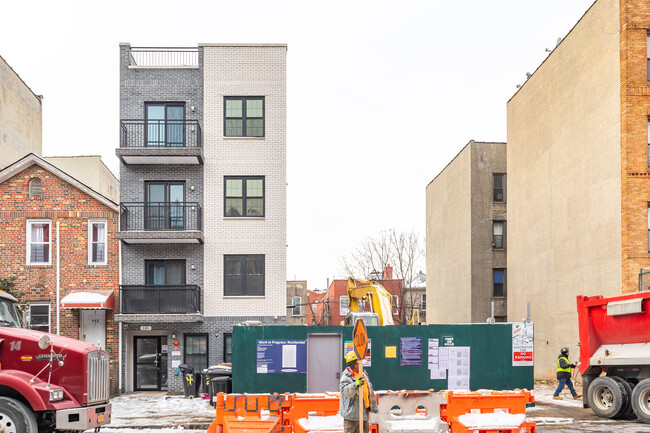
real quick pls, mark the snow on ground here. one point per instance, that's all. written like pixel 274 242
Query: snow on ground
pixel 159 430
pixel 153 409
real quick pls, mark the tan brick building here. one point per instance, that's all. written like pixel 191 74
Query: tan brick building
pixel 579 174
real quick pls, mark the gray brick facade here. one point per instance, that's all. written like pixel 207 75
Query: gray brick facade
pixel 144 83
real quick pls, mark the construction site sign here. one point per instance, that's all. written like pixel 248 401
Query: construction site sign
pixel 360 339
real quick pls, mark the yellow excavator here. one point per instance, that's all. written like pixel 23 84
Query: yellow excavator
pixel 381 303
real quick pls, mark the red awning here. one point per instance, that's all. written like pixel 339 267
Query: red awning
pixel 89 299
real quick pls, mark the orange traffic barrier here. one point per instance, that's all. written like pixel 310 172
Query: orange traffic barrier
pixel 481 403
pixel 489 411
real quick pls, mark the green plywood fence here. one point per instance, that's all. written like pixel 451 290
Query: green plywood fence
pixel 491 356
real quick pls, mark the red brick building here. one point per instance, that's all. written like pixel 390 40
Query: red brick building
pixel 48 217
pixel 337 297
pixel 316 308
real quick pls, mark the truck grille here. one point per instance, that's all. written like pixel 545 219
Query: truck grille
pixel 98 377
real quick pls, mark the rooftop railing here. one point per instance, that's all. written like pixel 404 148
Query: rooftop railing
pixel 164 57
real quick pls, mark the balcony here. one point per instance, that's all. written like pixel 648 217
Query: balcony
pixel 161 223
pixel 160 142
pixel 158 304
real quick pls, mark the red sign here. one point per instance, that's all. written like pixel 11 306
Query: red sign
pixel 522 356
pixel 360 339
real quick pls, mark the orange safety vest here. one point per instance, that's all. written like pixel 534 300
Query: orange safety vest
pixel 364 387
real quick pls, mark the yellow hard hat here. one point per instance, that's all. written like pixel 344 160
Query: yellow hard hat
pixel 350 357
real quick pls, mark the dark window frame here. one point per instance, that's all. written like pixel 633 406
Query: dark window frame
pixel 227 356
pixel 244 197
pixel 500 190
pixel 148 262
pixel 499 241
pixel 207 349
pixel 499 290
pixel 165 121
pixel 244 275
pixel 158 215
pixel 243 117
pixel 296 310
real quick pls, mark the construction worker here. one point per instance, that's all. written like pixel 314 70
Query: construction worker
pixel 564 374
pixel 353 379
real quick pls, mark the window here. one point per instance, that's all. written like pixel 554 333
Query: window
pixel 649 227
pixel 244 275
pixel 499 187
pixel 648 141
pixel 39 317
pixel 165 206
pixel 38 243
pixel 164 272
pixel 165 125
pixel 295 301
pixel 343 305
pixel 227 348
pixel 244 117
pixel 244 197
pixel 500 319
pixel 97 242
pixel 498 234
pixel 196 351
pixel 423 301
pixel 499 283
pixel 395 304
pixel 35 188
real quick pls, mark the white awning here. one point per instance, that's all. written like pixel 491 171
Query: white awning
pixel 89 299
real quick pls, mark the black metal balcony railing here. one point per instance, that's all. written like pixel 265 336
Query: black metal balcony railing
pixel 154 216
pixel 180 299
pixel 161 57
pixel 160 133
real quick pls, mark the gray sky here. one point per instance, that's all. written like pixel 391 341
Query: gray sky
pixel 381 94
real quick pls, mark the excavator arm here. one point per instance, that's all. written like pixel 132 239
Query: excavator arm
pixel 381 301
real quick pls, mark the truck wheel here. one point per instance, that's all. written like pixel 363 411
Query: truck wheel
pixel 641 400
pixel 605 397
pixel 15 417
pixel 626 407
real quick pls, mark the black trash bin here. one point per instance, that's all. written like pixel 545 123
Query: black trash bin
pixel 215 372
pixel 219 384
pixel 190 383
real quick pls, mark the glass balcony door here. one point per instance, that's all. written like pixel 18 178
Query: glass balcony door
pixel 165 126
pixel 165 206
pixel 165 272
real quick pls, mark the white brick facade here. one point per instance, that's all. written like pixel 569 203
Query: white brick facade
pixel 245 70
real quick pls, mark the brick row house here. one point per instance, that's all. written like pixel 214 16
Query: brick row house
pixel 203 203
pixel 59 246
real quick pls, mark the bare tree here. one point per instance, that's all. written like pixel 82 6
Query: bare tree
pixel 402 250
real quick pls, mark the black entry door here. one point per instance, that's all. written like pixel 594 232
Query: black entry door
pixel 150 363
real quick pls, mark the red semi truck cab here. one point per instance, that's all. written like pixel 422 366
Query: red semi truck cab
pixel 615 354
pixel 49 382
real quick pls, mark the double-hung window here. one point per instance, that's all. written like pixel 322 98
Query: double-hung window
pixel 296 301
pixel 499 278
pixel 423 301
pixel 244 116
pixel 39 317
pixel 97 242
pixel 196 351
pixel 39 243
pixel 244 275
pixel 244 196
pixel 499 187
pixel 498 234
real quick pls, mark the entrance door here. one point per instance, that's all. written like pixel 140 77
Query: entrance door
pixel 150 364
pixel 93 327
pixel 323 362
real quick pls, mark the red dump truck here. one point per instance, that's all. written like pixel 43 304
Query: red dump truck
pixel 49 382
pixel 615 354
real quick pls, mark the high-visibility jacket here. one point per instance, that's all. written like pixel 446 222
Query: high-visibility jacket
pixel 566 367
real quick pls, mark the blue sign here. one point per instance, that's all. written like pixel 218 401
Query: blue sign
pixel 410 351
pixel 281 356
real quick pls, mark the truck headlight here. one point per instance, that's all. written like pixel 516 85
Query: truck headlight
pixel 56 394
